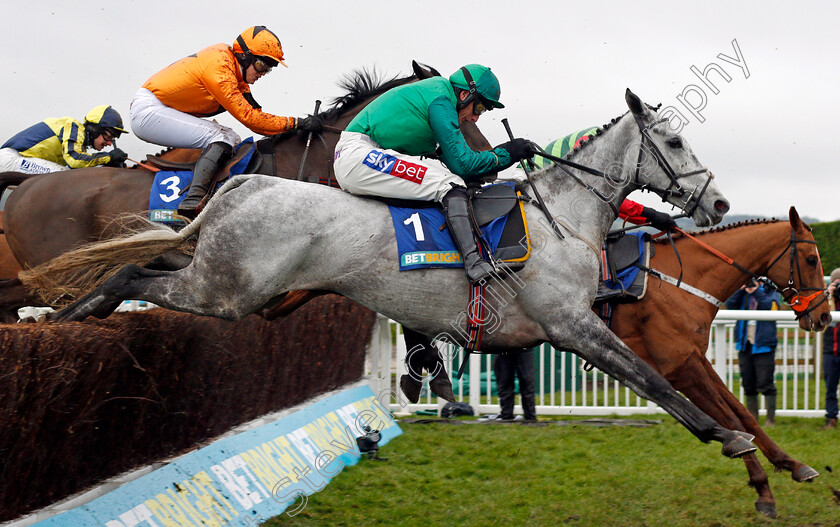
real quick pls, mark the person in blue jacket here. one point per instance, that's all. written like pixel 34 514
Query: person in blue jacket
pixel 756 344
pixel 831 354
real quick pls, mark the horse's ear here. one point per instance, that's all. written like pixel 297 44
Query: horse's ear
pixel 795 221
pixel 634 103
pixel 424 71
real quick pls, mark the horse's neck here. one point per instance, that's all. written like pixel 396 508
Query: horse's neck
pixel 753 247
pixel 580 208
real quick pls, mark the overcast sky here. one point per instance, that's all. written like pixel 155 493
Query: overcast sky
pixel 770 138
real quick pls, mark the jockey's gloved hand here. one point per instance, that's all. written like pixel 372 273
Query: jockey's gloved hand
pixel 659 220
pixel 519 149
pixel 118 157
pixel 312 123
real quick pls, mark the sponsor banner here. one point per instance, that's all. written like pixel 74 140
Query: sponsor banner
pixel 245 479
pixel 388 164
pixel 430 258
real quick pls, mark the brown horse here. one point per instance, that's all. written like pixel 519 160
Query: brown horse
pixel 669 328
pixel 13 295
pixel 53 213
pixel 9 267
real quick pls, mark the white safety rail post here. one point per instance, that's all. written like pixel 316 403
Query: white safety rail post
pixel 799 354
pixel 580 392
pixel 378 363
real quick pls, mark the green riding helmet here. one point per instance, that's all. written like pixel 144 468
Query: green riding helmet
pixel 485 84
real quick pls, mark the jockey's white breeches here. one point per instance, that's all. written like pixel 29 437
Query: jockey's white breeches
pixel 12 161
pixel 363 167
pixel 157 123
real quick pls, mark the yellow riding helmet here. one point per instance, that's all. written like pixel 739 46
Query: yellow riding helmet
pixel 258 41
pixel 106 117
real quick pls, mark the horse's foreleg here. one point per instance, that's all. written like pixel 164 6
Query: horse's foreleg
pixel 586 336
pixel 287 303
pixel 698 381
pixel 14 296
pixel 781 460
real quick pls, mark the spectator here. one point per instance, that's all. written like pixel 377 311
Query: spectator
pixel 831 355
pixel 756 344
pixel 522 365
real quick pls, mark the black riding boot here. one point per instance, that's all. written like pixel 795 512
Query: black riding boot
pixel 458 221
pixel 205 168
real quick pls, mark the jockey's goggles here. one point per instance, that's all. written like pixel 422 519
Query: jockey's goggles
pixel 109 135
pixel 480 106
pixel 264 64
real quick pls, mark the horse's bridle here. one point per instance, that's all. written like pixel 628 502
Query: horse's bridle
pixel 801 305
pixel 666 167
pixel 674 188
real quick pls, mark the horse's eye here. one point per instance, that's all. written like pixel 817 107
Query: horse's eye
pixel 675 142
pixel 811 260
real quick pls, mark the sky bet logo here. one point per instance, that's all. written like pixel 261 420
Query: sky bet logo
pixel 388 164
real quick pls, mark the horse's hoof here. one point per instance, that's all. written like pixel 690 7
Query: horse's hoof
pixel 766 508
pixel 442 387
pixel 739 444
pixel 411 388
pixel 804 473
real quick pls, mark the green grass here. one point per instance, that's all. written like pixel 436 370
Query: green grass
pixel 497 474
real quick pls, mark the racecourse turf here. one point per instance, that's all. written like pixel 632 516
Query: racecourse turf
pixel 545 474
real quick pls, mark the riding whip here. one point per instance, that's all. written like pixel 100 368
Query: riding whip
pixel 540 201
pixel 308 141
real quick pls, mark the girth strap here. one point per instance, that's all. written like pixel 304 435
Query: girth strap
pixel 682 285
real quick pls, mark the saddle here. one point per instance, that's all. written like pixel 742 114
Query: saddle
pixel 243 150
pixel 621 279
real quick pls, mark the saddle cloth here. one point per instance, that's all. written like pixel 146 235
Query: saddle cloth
pixel 168 186
pixel 424 241
pixel 621 280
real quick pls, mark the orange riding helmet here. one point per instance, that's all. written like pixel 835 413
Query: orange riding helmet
pixel 258 42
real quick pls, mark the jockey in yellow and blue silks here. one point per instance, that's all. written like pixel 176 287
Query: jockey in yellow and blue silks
pixel 61 143
pixel 378 153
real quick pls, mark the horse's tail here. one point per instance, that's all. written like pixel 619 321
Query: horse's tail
pixel 72 274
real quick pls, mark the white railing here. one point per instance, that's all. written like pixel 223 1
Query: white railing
pixel 564 387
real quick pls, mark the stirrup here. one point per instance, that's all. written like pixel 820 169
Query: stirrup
pixel 479 270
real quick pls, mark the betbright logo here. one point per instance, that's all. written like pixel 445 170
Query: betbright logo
pixel 388 164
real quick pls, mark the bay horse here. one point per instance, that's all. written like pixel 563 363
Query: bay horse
pixel 261 237
pixel 669 328
pixel 14 296
pixel 53 213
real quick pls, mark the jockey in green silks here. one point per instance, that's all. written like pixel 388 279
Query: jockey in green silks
pixel 378 153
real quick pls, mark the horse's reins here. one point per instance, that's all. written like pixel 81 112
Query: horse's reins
pixel 661 160
pixel 800 304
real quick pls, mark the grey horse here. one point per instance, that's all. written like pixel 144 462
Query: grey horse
pixel 261 237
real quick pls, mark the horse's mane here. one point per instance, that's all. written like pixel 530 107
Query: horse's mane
pixel 722 228
pixel 604 128
pixel 360 85
pixel 598 132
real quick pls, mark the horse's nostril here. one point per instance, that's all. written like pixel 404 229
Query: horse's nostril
pixel 722 206
pixel 825 319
